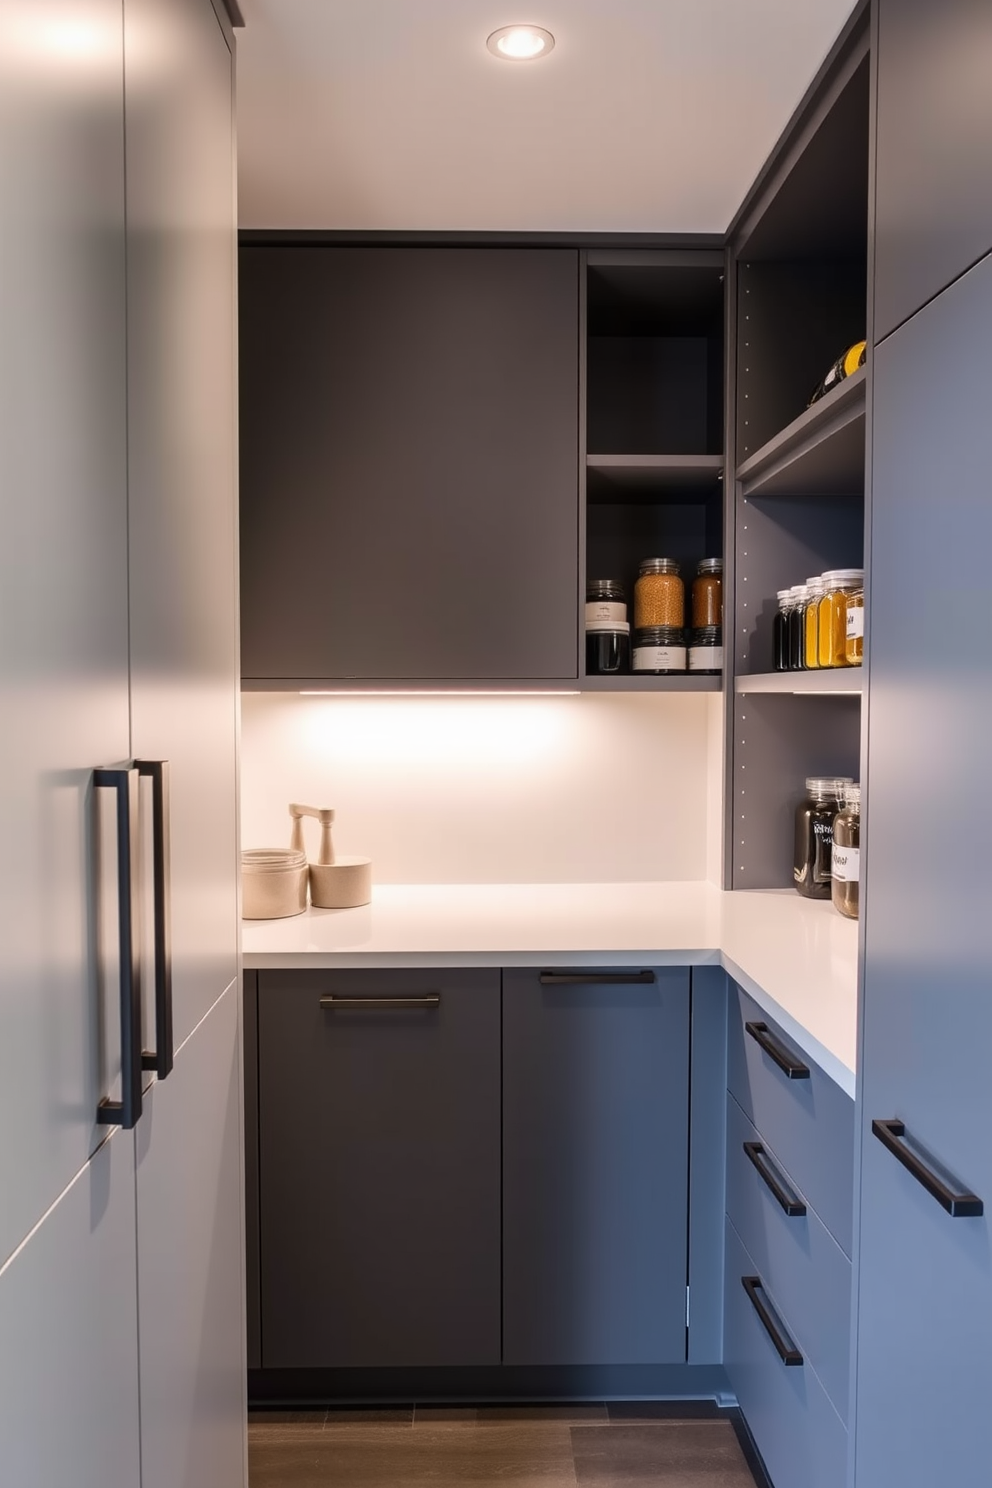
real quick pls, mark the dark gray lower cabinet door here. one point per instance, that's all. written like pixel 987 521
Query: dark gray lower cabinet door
pixel 379 1168
pixel 924 1373
pixel 595 1179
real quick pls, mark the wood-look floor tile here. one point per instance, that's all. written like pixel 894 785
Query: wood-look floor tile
pixel 665 1410
pixel 662 1454
pixel 314 1417
pixel 490 1415
pixel 398 1415
pixel 508 1455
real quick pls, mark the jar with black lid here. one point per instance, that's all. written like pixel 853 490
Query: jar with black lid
pixel 608 650
pixel 815 834
pixel 606 602
pixel 659 650
pixel 706 651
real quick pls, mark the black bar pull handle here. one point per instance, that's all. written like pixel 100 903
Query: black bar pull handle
pixel 160 1059
pixel 794 1208
pixel 784 1347
pixel 794 1068
pixel 426 1000
pixel 126 1111
pixel 961 1205
pixel 597 978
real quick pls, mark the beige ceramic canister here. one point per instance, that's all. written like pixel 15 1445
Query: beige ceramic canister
pixel 273 883
pixel 335 882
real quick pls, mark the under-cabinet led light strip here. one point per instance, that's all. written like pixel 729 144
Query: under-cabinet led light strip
pixel 447 692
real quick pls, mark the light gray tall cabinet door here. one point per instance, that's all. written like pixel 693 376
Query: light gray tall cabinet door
pixel 63 582
pixel 182 471
pixel 924 1357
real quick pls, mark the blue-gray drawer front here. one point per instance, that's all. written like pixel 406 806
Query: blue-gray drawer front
pixel 800 1436
pixel 804 1268
pixel 809 1123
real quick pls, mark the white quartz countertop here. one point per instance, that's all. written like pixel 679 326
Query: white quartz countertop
pixel 796 957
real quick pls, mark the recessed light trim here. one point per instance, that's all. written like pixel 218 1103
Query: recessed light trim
pixel 520 43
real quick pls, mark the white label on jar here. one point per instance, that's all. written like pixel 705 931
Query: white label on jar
pixel 659 658
pixel 845 863
pixel 706 659
pixel 856 623
pixel 604 610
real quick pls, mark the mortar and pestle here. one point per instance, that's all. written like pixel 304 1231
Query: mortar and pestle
pixel 335 883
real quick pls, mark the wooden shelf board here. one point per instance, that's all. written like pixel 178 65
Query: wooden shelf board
pixel 821 453
pixel 634 683
pixel 844 680
pixel 613 478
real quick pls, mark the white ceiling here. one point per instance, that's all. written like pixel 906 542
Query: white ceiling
pixel 649 115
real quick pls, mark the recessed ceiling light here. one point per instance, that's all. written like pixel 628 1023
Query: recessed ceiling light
pixel 520 43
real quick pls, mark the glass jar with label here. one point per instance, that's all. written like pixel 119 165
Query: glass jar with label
pixel 832 618
pixel 854 626
pixel 605 603
pixel 608 649
pixel 659 595
pixel 845 869
pixel 815 834
pixel 659 650
pixel 707 594
pixel 780 631
pixel 811 628
pixel 706 651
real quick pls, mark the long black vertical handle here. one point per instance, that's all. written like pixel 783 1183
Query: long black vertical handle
pixel 160 1059
pixel 126 1111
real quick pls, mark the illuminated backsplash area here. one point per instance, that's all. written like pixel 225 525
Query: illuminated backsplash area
pixel 571 789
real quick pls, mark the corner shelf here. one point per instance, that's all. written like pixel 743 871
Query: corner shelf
pixel 821 453
pixel 845 681
pixel 632 682
pixel 635 477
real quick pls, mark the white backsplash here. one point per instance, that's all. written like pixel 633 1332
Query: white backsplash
pixel 582 789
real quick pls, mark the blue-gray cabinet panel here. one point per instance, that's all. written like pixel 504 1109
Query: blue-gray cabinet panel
pixel 595 1161
pixel 800 1436
pixel 809 1123
pixel 804 1267
pixel 379 1170
pixel 925 1288
pixel 933 173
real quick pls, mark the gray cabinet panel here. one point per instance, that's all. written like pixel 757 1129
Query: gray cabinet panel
pixel 181 467
pixel 63 583
pixel 69 1337
pixel 190 1270
pixel 925 1279
pixel 933 174
pixel 595 1170
pixel 409 438
pixel 380 1163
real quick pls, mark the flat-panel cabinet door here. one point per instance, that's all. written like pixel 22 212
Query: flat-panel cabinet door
pixel 63 577
pixel 925 1293
pixel 933 174
pixel 595 1169
pixel 182 469
pixel 379 1168
pixel 190 1264
pixel 69 1337
pixel 409 438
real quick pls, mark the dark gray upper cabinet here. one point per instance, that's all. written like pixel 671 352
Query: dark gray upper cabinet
pixel 409 463
pixel 925 1282
pixel 595 1170
pixel 379 1168
pixel 933 192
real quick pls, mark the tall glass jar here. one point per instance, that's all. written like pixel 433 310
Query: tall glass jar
pixel 707 594
pixel 815 834
pixel 659 595
pixel 811 626
pixel 832 620
pixel 797 629
pixel 780 631
pixel 845 883
pixel 854 629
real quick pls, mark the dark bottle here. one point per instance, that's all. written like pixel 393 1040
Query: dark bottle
pixel 797 629
pixel 780 631
pixel 608 651
pixel 815 834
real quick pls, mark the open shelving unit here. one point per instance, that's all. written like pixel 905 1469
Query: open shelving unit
pixel 652 460
pixel 799 275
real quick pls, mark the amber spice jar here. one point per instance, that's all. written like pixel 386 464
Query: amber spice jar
pixel 707 594
pixel 659 595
